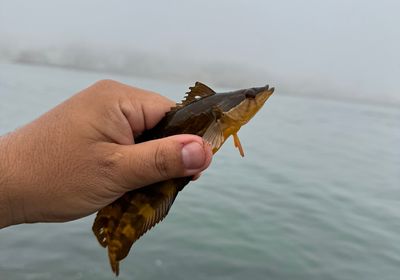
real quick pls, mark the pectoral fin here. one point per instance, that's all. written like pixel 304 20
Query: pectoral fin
pixel 214 135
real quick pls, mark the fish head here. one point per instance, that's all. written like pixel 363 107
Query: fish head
pixel 232 110
pixel 243 104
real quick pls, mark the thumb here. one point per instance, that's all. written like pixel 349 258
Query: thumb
pixel 158 160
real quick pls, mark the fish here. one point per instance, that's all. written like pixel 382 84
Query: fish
pixel 203 112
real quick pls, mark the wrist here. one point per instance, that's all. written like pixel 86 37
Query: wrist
pixel 9 213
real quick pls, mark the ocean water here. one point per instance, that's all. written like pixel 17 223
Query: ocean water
pixel 317 196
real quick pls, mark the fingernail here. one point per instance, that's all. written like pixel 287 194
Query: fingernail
pixel 193 156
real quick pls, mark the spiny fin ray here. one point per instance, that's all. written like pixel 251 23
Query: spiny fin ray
pixel 197 92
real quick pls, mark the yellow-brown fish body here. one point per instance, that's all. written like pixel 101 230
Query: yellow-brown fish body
pixel 203 112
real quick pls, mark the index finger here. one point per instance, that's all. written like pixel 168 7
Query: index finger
pixel 142 108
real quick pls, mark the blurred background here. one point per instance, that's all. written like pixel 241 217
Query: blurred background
pixel 317 195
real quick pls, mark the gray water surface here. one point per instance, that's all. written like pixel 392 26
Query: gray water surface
pixel 317 196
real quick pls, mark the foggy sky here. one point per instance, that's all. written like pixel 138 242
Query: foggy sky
pixel 342 47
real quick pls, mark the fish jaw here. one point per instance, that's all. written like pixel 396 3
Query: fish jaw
pixel 243 112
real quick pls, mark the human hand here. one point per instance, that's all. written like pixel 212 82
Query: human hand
pixel 80 156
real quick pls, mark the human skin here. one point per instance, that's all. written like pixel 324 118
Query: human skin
pixel 80 156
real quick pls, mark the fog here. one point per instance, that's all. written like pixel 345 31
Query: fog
pixel 335 49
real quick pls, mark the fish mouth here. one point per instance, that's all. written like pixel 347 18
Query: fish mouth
pixel 263 95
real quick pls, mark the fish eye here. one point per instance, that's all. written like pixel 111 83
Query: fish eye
pixel 250 94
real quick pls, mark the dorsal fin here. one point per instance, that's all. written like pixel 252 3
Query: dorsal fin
pixel 197 92
pixel 201 90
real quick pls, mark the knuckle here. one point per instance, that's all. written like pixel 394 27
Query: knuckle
pixel 104 92
pixel 108 165
pixel 105 83
pixel 161 161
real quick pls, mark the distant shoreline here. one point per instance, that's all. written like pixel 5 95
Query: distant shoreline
pixel 166 73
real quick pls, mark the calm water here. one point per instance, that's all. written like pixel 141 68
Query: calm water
pixel 317 196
